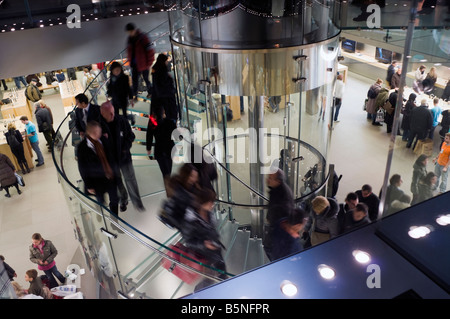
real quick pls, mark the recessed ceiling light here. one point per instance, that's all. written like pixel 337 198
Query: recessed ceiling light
pixel 326 272
pixel 417 232
pixel 443 220
pixel 288 288
pixel 361 256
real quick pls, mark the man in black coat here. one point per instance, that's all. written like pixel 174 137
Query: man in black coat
pixel 85 112
pixel 281 205
pixel 117 130
pixel 97 166
pixel 366 196
pixel 119 88
pixel 44 123
pixel 421 122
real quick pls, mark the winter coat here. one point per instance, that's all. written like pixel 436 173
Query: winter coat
pixel 395 81
pixel 163 95
pixel 18 137
pixel 121 140
pixel 419 171
pixel 370 107
pixel 326 222
pixel 372 201
pixel 144 54
pixel 119 90
pixel 350 223
pixel 445 123
pixel 281 203
pixel 43 119
pixel 382 97
pixel 425 191
pixel 409 106
pixel 163 137
pixel 7 169
pixel 421 119
pixel 48 255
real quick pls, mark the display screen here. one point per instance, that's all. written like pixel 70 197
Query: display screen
pixel 383 55
pixel 349 45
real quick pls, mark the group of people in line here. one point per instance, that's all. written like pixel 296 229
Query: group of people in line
pixel 42 252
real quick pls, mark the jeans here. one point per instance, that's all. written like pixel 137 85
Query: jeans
pixel 337 105
pixel 54 272
pixel 438 170
pixel 93 93
pixel 37 150
pixel 129 176
pixel 431 135
pixel 135 79
pixel 19 79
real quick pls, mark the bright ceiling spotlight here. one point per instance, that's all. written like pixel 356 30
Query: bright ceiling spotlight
pixel 361 256
pixel 326 272
pixel 417 232
pixel 288 288
pixel 443 220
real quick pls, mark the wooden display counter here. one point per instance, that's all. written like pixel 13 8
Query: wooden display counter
pixel 5 149
pixel 68 91
pixel 19 106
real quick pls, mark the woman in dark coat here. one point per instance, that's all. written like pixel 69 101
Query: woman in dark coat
pixel 419 172
pixel 409 106
pixel 7 176
pixel 119 88
pixel 163 93
pixel 426 187
pixel 15 140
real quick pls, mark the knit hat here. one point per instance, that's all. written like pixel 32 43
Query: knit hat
pixel 319 204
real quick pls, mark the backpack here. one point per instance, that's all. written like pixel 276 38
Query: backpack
pixel 372 94
pixel 92 81
pixel 12 140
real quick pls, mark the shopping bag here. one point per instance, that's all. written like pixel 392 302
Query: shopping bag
pixel 63 291
pixel 184 274
pixel 380 116
pixel 20 180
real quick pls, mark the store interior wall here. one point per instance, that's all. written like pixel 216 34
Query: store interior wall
pixel 58 47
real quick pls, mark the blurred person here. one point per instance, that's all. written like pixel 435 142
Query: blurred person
pixel 359 216
pixel 34 139
pixel 395 79
pixel 207 172
pixel 5 87
pixel 36 286
pixel 117 130
pixel 420 124
pixel 426 187
pixel 323 224
pixel 163 92
pixel 43 253
pixel 406 120
pixel 391 71
pixel 7 175
pixel 286 234
pixel 161 129
pixel 119 89
pixel 44 122
pixel 442 161
pixel 32 93
pixel 380 101
pixel 200 234
pixel 84 113
pixel 419 76
pixel 19 290
pixel 350 202
pixel 399 204
pixel 141 56
pixel 97 166
pixel 18 80
pixel 445 125
pixel 366 196
pixel 91 83
pixel 15 141
pixel 393 192
pixel 430 80
pixel 372 94
pixel 419 172
pixel 281 205
pixel 436 112
pixel 9 270
pixel 338 94
pixel 181 192
pixel 390 112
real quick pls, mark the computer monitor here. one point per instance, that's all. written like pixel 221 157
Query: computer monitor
pixel 349 45
pixel 383 55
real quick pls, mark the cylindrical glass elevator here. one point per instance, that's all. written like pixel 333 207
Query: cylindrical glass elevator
pixel 255 84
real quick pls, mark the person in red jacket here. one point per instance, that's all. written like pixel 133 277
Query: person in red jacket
pixel 141 56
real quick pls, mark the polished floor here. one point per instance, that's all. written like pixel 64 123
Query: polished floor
pixel 358 150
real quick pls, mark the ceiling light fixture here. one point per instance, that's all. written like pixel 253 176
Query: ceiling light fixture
pixel 417 232
pixel 361 256
pixel 443 220
pixel 288 288
pixel 326 272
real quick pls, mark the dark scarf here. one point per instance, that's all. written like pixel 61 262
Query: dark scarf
pixel 102 156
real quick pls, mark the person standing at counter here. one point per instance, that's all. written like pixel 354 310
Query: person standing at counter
pixel 7 176
pixel 15 140
pixel 34 139
pixel 32 92
pixel 44 122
